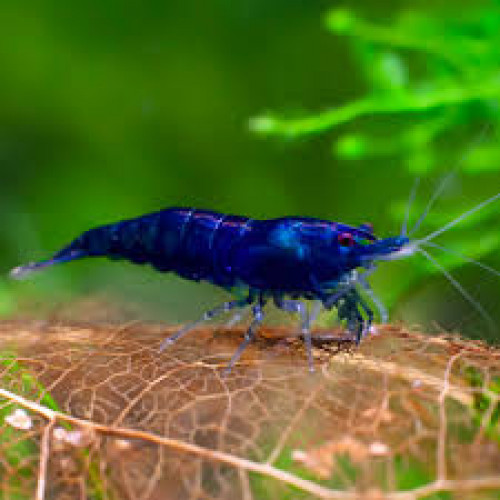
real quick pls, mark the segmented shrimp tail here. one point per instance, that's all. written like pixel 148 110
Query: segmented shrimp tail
pixel 66 255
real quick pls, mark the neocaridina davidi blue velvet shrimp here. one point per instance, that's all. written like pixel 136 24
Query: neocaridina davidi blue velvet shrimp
pixel 284 260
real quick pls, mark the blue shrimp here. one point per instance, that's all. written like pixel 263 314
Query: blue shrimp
pixel 283 260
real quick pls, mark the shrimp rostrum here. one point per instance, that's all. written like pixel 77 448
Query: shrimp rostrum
pixel 285 260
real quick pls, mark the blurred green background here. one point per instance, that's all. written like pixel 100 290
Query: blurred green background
pixel 264 108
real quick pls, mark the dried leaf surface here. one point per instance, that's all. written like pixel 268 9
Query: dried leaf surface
pixel 403 417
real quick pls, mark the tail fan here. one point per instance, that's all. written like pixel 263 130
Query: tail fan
pixel 21 272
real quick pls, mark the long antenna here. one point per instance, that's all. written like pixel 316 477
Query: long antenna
pixel 437 193
pixel 411 199
pixel 485 267
pixel 454 222
pixel 465 294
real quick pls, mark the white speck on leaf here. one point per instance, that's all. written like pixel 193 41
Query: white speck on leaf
pixel 19 419
pixel 378 449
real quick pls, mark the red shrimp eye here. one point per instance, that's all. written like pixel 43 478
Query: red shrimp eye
pixel 346 239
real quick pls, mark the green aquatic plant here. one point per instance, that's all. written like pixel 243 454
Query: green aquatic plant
pixel 431 75
pixel 18 451
pixel 19 439
pixel 486 405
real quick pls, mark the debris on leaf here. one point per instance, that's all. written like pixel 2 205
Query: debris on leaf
pixel 19 419
pixel 378 449
pixel 381 414
pixel 77 438
pixel 321 460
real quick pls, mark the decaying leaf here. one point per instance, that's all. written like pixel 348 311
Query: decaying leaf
pixel 112 418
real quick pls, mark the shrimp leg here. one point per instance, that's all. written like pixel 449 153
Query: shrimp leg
pixel 212 313
pixel 348 302
pixel 258 317
pixel 296 306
